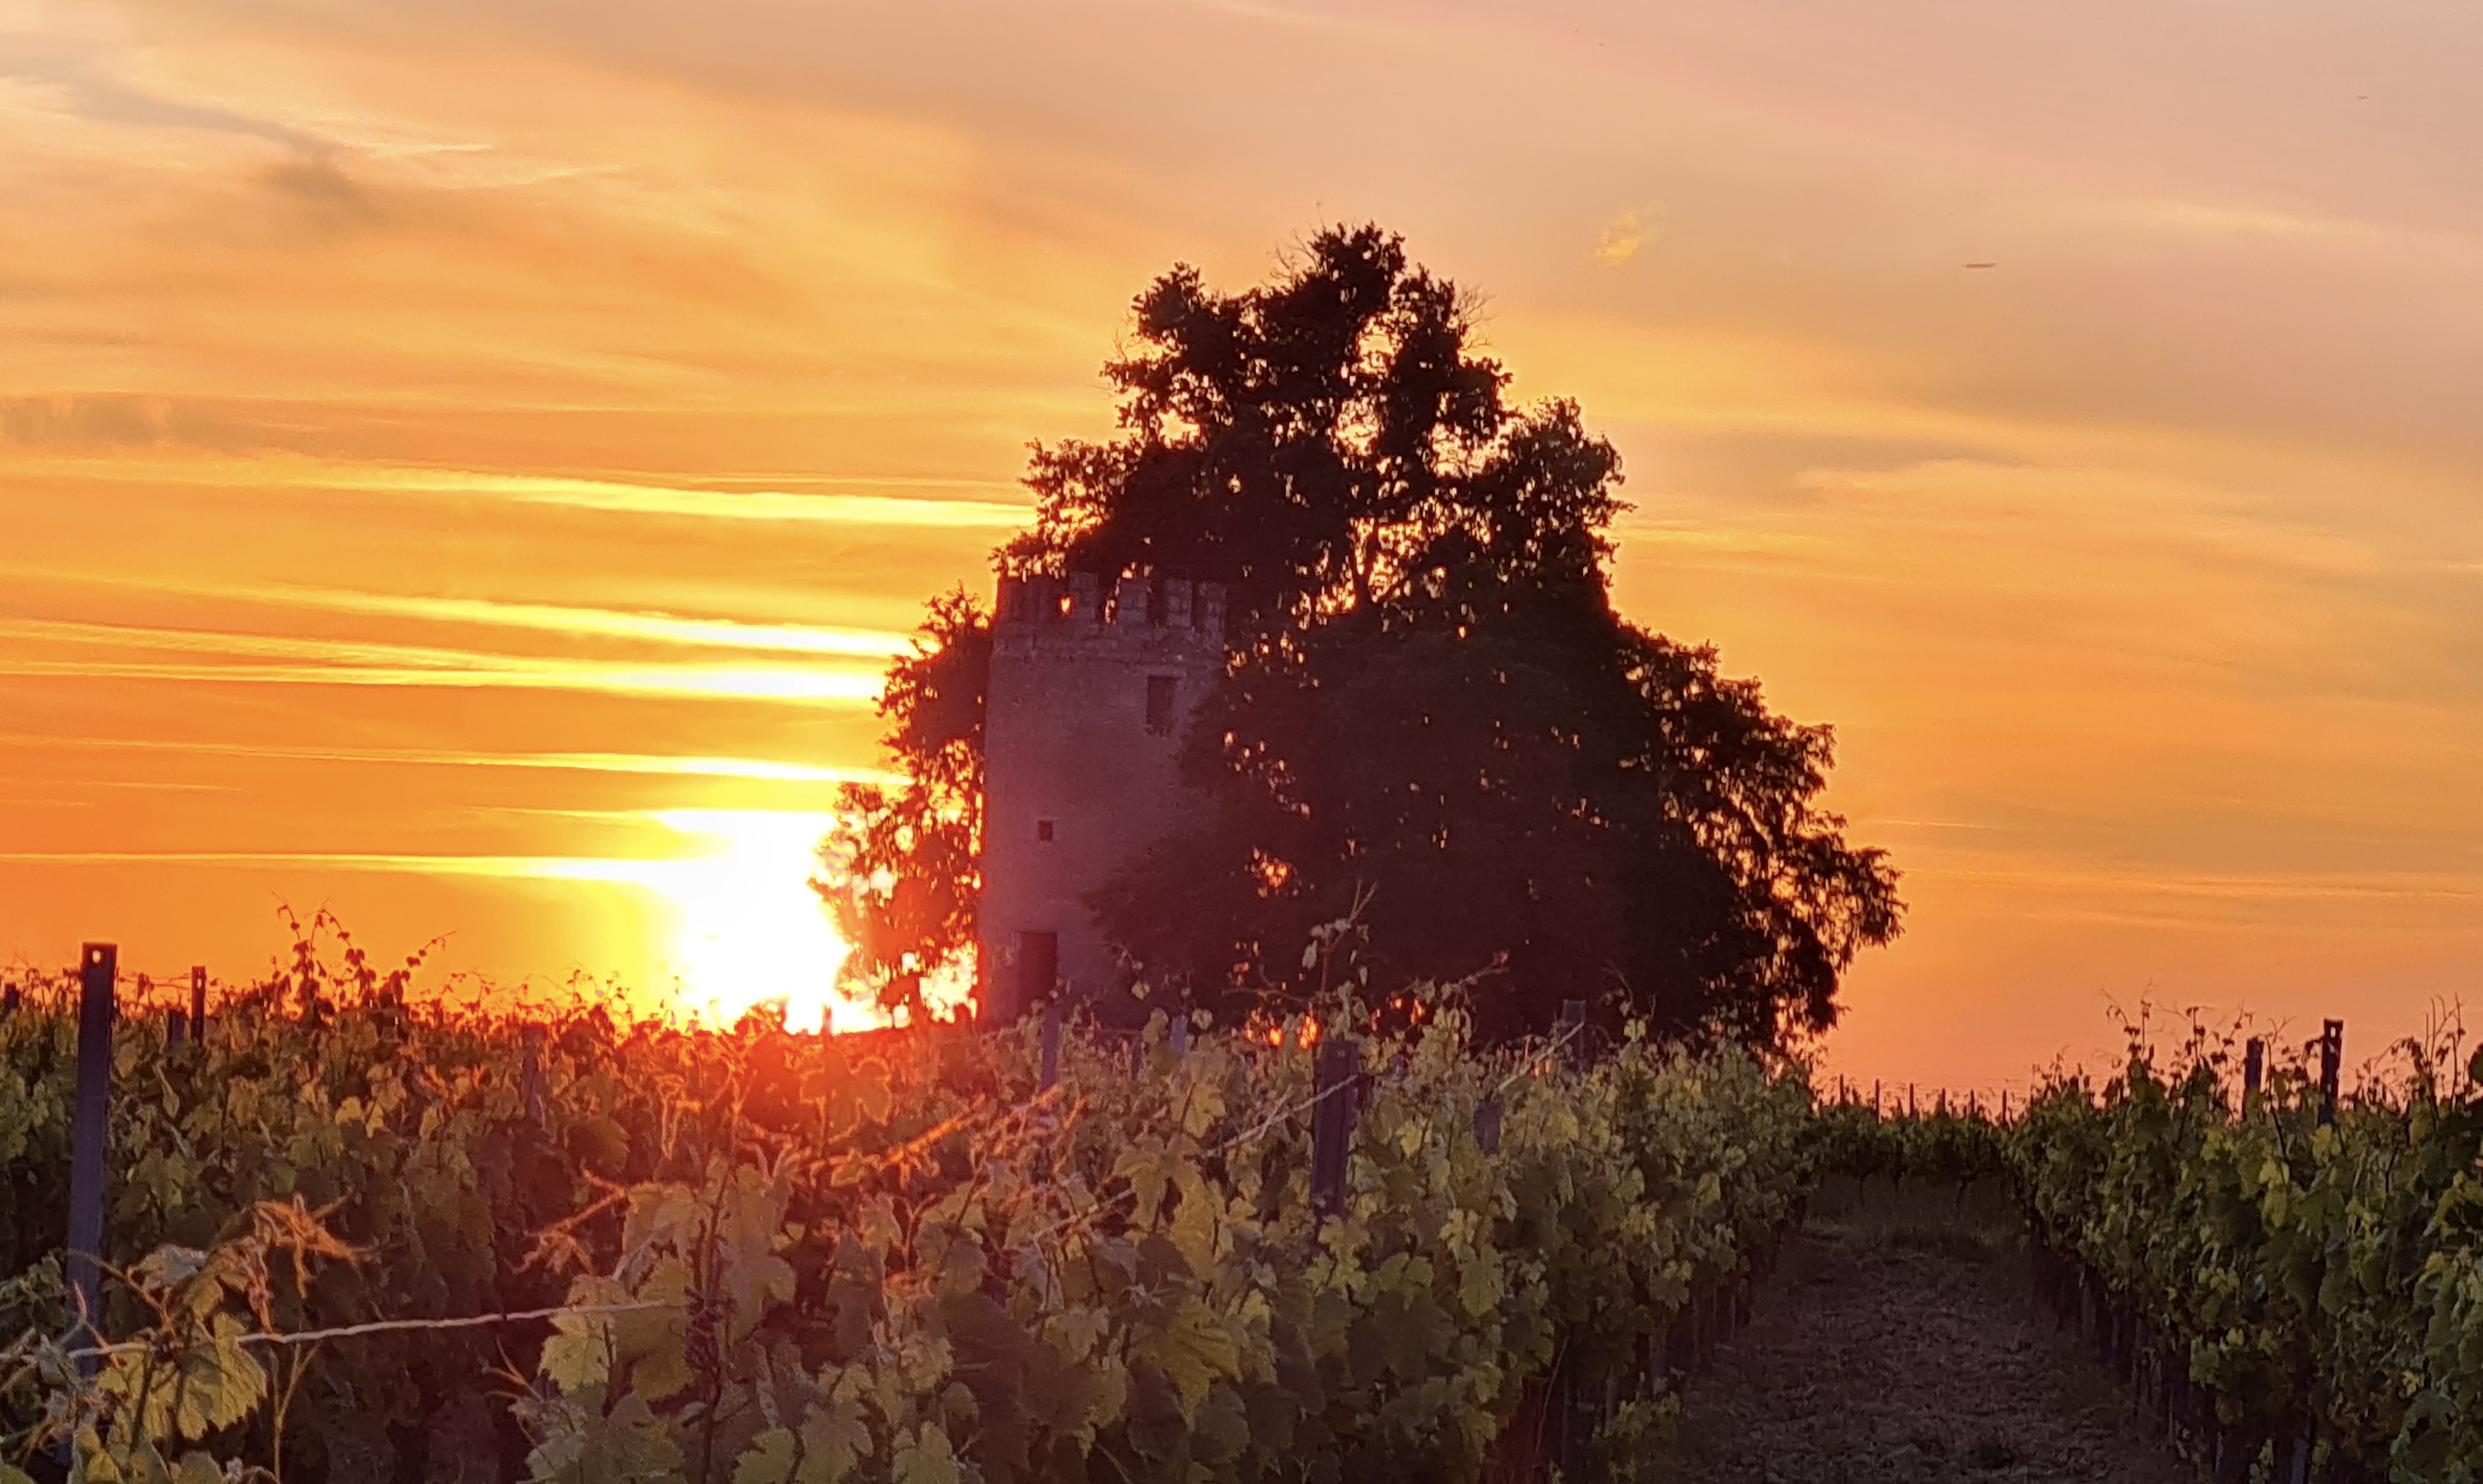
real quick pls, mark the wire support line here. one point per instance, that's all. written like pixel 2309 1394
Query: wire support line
pixel 395 1326
pixel 1266 1125
pixel 1248 1135
pixel 1535 1059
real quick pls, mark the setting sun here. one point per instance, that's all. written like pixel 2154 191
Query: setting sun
pixel 747 930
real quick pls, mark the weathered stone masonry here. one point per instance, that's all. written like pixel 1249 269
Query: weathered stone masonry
pixel 1086 706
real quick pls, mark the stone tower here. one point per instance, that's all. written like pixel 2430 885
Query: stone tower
pixel 1083 717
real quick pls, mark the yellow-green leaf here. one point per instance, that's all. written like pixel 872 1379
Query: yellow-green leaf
pixel 1193 1230
pixel 926 1458
pixel 834 1439
pixel 768 1460
pixel 1194 1351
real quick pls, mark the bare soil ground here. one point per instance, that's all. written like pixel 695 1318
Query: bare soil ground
pixel 1901 1345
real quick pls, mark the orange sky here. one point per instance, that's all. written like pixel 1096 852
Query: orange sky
pixel 457 458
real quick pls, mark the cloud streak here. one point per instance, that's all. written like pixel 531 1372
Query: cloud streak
pixel 545 618
pixel 647 764
pixel 943 506
pixel 762 505
pixel 316 661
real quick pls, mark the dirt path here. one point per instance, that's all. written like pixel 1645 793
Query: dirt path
pixel 1883 1351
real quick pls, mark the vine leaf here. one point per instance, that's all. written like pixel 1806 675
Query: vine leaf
pixel 769 1459
pixel 834 1439
pixel 926 1458
pixel 1194 1351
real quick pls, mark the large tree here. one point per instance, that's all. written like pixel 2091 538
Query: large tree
pixel 1433 716
pixel 900 868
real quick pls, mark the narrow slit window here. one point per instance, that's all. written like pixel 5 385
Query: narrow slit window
pixel 1043 829
pixel 1160 701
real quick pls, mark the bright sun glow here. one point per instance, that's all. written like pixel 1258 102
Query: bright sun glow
pixel 752 932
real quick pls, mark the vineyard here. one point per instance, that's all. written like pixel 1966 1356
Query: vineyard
pixel 2288 1282
pixel 2293 1280
pixel 354 1238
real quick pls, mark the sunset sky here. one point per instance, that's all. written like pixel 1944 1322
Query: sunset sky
pixel 465 465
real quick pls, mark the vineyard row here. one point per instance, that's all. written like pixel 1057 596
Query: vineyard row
pixel 761 1257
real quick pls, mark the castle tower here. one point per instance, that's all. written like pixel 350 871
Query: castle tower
pixel 1084 713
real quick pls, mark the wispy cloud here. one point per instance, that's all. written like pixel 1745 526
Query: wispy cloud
pixel 1620 241
pixel 2072 880
pixel 683 680
pixel 547 618
pixel 604 622
pixel 764 769
pixel 311 661
pixel 943 503
pixel 618 870
pixel 709 504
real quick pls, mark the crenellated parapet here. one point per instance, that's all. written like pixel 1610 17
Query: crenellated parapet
pixel 1081 615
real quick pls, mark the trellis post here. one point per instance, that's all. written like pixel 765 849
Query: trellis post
pixel 2332 1054
pixel 1340 1062
pixel 534 1084
pixel 89 1130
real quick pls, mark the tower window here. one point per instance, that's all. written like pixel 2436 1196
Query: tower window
pixel 1160 701
pixel 1043 829
pixel 1038 967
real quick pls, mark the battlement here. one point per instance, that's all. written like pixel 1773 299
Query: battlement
pixel 1089 697
pixel 1137 613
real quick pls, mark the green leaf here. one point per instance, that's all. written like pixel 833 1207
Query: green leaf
pixel 1193 1229
pixel 1201 1107
pixel 926 1459
pixel 628 1444
pixel 219 1382
pixel 1478 1286
pixel 1149 1172
pixel 768 1460
pixel 666 1215
pixel 1194 1351
pixel 92 1463
pixel 195 1467
pixel 834 1439
pixel 577 1355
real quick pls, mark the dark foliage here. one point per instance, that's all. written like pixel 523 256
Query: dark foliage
pixel 899 871
pixel 1431 702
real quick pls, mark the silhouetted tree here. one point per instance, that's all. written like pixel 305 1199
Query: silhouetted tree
pixel 900 869
pixel 1431 704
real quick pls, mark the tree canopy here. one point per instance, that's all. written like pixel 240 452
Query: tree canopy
pixel 1433 714
pixel 901 869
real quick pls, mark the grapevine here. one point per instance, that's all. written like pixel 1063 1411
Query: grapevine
pixel 682 1254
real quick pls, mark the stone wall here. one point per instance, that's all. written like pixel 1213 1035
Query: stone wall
pixel 1090 695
